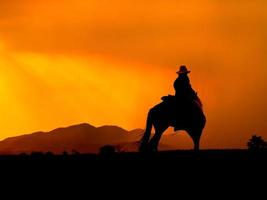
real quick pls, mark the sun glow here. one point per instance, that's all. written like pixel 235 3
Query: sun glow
pixel 108 62
pixel 52 91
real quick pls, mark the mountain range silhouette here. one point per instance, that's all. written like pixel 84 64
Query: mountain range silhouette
pixel 82 138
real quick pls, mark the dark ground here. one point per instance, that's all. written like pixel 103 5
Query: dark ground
pixel 173 172
pixel 168 159
pixel 231 155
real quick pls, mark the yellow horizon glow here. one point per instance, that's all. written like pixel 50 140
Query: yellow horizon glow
pixel 57 91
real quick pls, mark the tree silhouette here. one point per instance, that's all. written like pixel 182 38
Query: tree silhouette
pixel 256 143
pixel 107 150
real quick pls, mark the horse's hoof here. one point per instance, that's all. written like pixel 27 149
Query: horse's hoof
pixel 143 148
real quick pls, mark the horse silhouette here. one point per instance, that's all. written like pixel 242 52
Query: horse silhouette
pixel 184 115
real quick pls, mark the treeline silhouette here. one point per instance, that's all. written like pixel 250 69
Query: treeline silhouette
pixel 257 143
pixel 257 150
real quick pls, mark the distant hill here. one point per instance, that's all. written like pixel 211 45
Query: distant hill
pixel 83 138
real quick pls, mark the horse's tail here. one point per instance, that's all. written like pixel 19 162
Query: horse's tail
pixel 145 139
pixel 198 101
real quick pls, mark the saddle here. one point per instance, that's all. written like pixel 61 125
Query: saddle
pixel 179 107
pixel 168 98
pixel 174 100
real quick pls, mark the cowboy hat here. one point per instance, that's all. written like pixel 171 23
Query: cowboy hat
pixel 183 70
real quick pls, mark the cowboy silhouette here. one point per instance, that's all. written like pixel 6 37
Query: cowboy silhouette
pixel 182 86
pixel 182 112
pixel 184 92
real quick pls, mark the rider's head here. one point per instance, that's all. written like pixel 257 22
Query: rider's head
pixel 183 70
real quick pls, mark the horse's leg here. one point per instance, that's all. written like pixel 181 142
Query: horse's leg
pixel 196 144
pixel 145 139
pixel 154 142
pixel 195 135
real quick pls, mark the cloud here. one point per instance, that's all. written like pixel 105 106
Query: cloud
pixel 223 43
pixel 157 32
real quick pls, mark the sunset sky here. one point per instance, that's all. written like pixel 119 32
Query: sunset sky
pixel 64 62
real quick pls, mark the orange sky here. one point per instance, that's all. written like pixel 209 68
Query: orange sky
pixel 64 62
